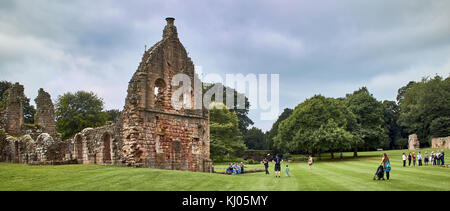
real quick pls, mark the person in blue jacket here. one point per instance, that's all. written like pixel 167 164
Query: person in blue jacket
pixel 386 165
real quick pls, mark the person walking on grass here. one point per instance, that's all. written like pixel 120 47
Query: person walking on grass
pixel 310 162
pixel 386 165
pixel 404 159
pixel 287 170
pixel 419 158
pixel 414 158
pixel 266 164
pixel 426 158
pixel 409 159
pixel 277 162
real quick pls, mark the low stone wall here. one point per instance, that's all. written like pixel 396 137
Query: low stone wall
pixel 100 145
pixel 443 142
pixel 25 149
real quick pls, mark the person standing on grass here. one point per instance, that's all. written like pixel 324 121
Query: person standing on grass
pixel 287 170
pixel 433 159
pixel 426 158
pixel 310 162
pixel 409 159
pixel 442 157
pixel 242 167
pixel 414 158
pixel 277 162
pixel 419 158
pixel 386 165
pixel 266 165
pixel 404 159
pixel 438 158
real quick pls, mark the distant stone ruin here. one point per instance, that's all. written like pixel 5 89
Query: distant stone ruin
pixel 45 112
pixel 13 113
pixel 441 143
pixel 149 132
pixel 413 142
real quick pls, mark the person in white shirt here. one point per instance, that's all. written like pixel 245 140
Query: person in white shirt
pixel 404 159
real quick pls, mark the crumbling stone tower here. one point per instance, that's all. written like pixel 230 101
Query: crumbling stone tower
pixel 155 134
pixel 14 110
pixel 45 112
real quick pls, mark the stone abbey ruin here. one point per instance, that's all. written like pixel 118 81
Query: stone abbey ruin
pixel 149 133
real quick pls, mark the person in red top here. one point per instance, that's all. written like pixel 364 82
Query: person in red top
pixel 414 158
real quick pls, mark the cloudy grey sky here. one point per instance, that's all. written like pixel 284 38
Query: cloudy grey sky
pixel 326 47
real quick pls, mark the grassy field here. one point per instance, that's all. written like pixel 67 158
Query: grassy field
pixel 348 174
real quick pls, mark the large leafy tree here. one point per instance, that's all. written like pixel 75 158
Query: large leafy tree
pixel 254 138
pixel 28 110
pixel 391 114
pixel 319 124
pixel 76 111
pixel 226 138
pixel 272 133
pixel 424 102
pixel 370 117
pixel 242 114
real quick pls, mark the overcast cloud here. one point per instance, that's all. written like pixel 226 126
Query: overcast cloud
pixel 326 47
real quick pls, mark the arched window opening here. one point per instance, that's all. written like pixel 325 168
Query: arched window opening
pixel 158 92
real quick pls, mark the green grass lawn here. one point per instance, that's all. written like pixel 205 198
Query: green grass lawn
pixel 349 174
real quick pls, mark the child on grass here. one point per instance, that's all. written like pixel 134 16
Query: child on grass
pixel 310 161
pixel 287 171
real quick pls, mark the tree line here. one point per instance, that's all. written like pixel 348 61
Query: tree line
pixel 361 122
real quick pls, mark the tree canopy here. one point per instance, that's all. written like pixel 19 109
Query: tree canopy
pixel 225 137
pixel 370 117
pixel 254 138
pixel 76 111
pixel 425 108
pixel 319 124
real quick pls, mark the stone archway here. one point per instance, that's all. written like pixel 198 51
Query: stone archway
pixel 107 148
pixel 79 149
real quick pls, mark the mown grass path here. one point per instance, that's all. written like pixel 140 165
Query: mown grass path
pixel 353 174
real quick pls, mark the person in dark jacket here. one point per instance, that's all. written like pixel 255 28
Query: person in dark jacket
pixel 266 165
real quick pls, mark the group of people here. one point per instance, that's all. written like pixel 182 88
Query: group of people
pixel 235 168
pixel 435 159
pixel 277 161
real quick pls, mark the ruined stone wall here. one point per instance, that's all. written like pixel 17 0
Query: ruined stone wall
pixel 25 149
pixel 443 142
pixel 45 113
pixel 413 142
pixel 13 113
pixel 154 133
pixel 100 145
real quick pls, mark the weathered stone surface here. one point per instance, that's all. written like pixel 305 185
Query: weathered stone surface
pixel 442 142
pixel 13 113
pixel 100 145
pixel 154 133
pixel 45 112
pixel 413 142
